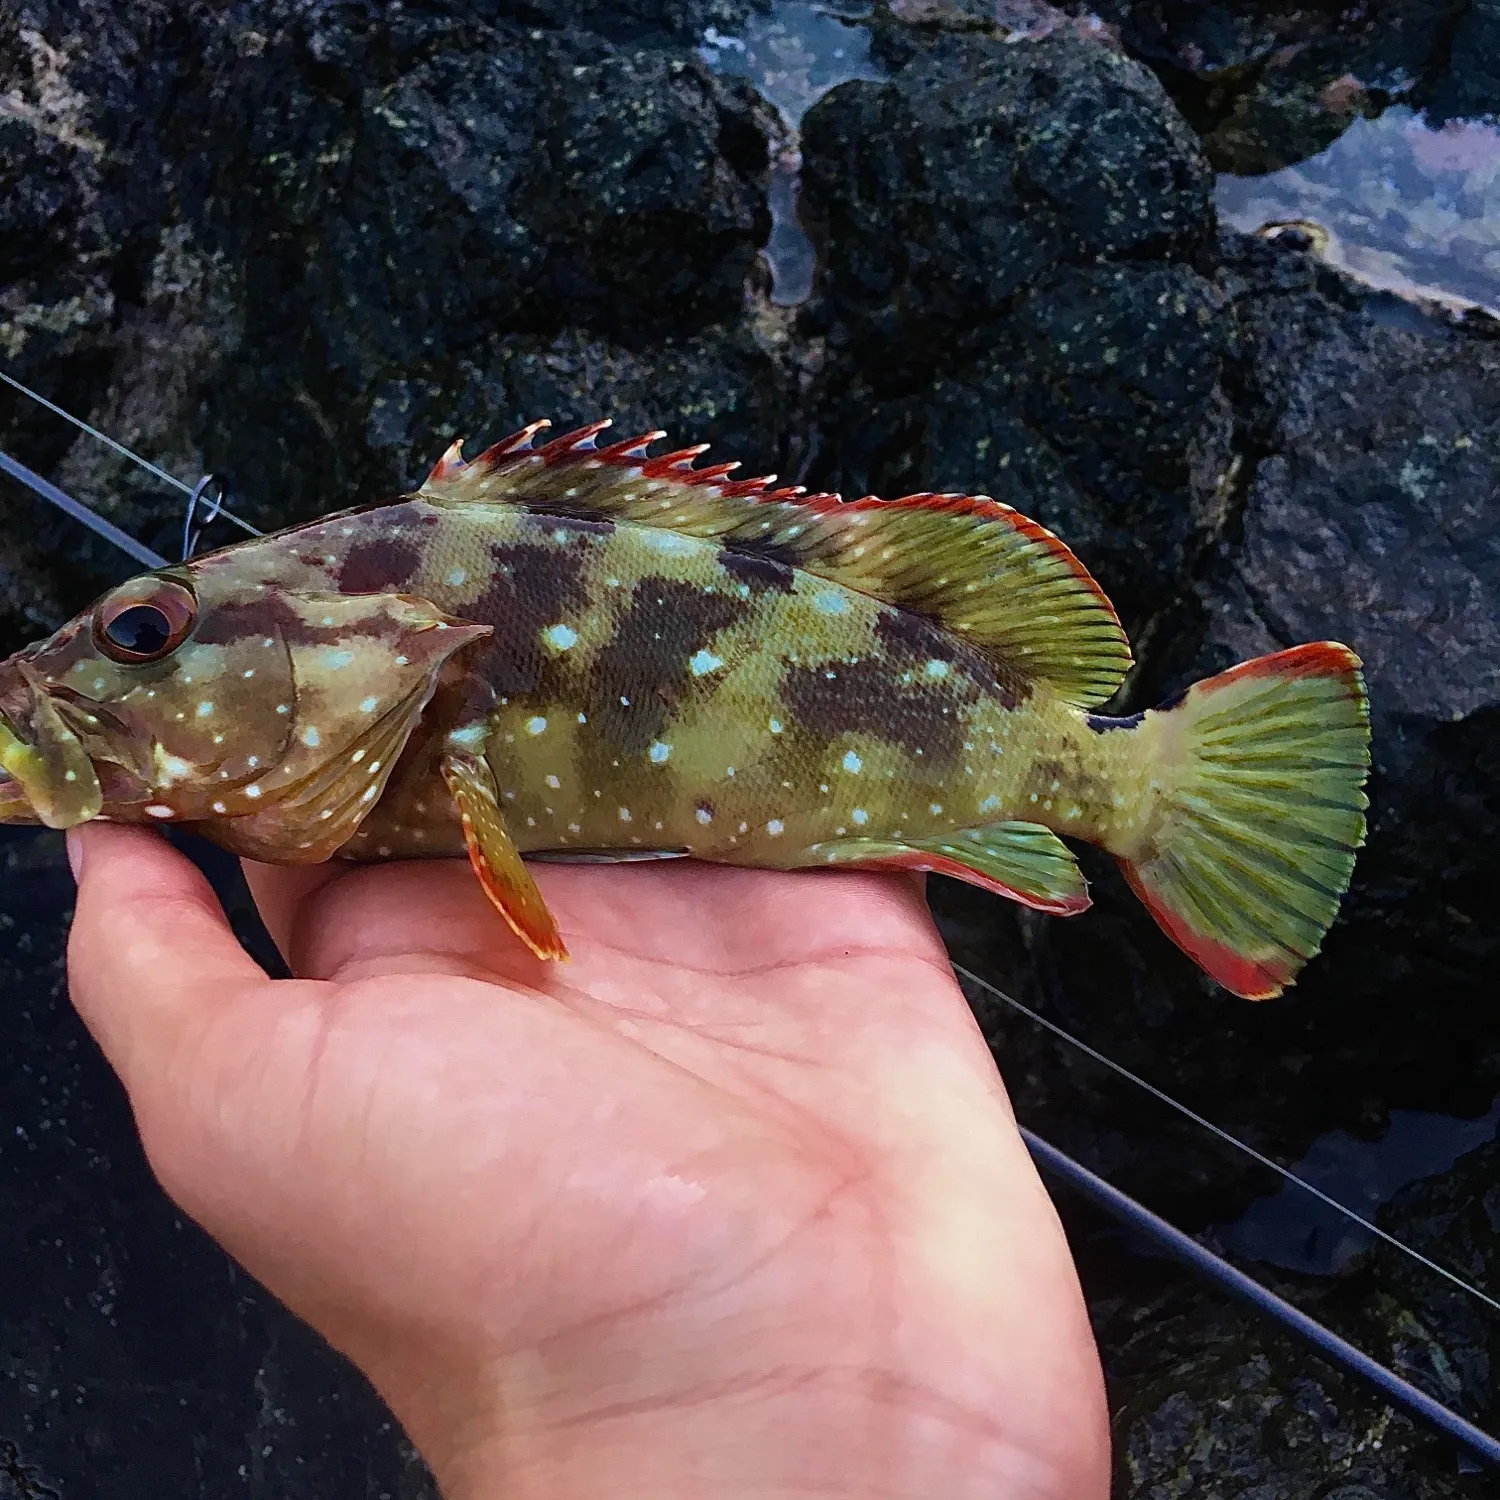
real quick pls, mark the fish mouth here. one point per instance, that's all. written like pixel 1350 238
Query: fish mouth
pixel 15 805
pixel 46 776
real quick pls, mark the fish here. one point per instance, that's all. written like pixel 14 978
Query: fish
pixel 569 650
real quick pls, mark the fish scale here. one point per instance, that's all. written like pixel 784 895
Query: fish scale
pixel 591 652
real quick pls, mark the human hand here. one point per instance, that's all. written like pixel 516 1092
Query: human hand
pixel 733 1205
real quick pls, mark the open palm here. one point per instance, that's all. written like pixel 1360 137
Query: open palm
pixel 731 1205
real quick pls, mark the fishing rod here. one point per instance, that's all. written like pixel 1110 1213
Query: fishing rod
pixel 205 499
pixel 1125 1210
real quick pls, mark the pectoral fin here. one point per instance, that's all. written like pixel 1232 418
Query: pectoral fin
pixel 505 878
pixel 1024 861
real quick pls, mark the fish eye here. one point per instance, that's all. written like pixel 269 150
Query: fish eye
pixel 145 621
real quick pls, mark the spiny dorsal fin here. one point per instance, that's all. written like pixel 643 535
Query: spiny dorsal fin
pixel 999 581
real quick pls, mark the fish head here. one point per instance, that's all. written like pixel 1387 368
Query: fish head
pixel 208 695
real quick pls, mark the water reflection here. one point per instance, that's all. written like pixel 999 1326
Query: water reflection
pixel 793 55
pixel 1293 1230
pixel 1404 207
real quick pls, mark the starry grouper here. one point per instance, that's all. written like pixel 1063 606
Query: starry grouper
pixel 589 652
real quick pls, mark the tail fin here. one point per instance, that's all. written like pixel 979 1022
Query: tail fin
pixel 1262 778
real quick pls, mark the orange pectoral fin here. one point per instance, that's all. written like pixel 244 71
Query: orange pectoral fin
pixel 497 862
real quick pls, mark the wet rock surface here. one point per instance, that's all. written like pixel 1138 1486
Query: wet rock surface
pixel 308 245
pixel 1266 83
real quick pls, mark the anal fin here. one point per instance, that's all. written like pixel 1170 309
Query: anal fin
pixel 1024 861
pixel 497 862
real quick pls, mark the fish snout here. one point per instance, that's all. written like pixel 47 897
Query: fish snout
pixel 46 776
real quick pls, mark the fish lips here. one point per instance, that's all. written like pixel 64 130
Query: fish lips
pixel 46 776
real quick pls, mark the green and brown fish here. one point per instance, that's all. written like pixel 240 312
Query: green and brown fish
pixel 589 652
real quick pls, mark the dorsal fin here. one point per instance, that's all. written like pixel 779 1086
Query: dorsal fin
pixel 999 581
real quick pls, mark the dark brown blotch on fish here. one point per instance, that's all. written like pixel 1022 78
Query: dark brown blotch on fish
pixel 910 637
pixel 648 658
pixel 532 586
pixel 837 698
pixel 759 574
pixel 370 567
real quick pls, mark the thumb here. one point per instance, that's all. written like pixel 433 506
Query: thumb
pixel 151 954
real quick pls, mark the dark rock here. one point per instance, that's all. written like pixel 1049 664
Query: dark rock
pixel 1267 83
pixel 336 227
pixel 1209 1399
pixel 1469 88
pixel 1010 294
pixel 138 1359
pixel 941 194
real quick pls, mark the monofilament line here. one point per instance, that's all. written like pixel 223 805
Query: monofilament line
pixel 1384 1236
pixel 120 448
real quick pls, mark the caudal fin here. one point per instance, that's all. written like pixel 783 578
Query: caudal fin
pixel 1261 780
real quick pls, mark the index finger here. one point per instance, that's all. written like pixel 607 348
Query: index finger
pixel 151 954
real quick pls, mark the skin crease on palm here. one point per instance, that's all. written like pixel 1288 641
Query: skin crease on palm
pixel 733 1205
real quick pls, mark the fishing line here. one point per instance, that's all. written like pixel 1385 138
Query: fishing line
pixel 1384 1236
pixel 194 523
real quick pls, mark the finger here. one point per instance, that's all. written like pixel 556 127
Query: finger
pixel 151 953
pixel 283 893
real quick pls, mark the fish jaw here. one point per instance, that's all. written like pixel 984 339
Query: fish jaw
pixel 46 776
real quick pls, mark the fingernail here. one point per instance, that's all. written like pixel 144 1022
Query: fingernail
pixel 75 853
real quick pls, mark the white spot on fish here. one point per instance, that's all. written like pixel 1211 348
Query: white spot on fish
pixel 704 816
pixel 205 708
pixel 368 705
pixel 775 726
pixel 219 807
pixel 583 718
pixel 934 808
pixel 252 761
pixel 156 810
pixel 358 756
pixel 989 804
pixel 402 661
pixel 311 738
pixel 98 684
pixel 175 768
pixel 860 816
pixel 457 577
pixel 830 602
pixel 659 753
pixel 560 637
pixel 252 791
pixel 852 763
pixel 624 814
pixel 369 795
pixel 336 659
pixel 536 725
pixel 937 668
pixel 282 708
pixel 328 619
pixel 470 734
pixel 704 661
pixel 248 672
pixel 774 827
pixel 553 782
